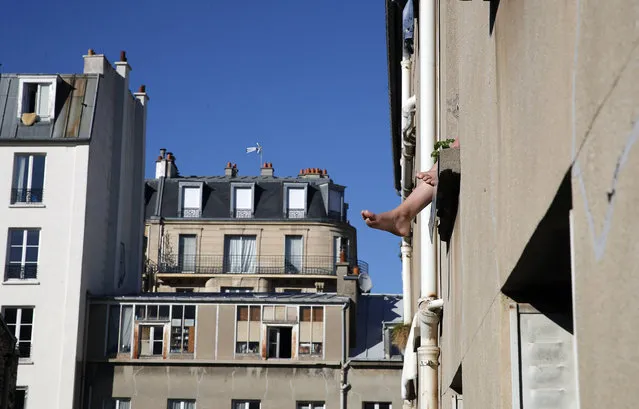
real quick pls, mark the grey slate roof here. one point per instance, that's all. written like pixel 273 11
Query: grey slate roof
pixel 373 310
pixel 74 109
pixel 254 298
pixel 216 196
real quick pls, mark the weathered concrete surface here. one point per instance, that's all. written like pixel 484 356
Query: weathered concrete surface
pixel 216 386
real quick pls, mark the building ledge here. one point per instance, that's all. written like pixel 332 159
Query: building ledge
pixel 219 362
pixel 27 206
pixel 21 282
pixel 446 201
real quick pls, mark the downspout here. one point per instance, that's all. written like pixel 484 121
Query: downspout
pixel 429 305
pixel 408 154
pixel 345 364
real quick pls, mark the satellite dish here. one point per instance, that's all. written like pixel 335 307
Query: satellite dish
pixel 365 282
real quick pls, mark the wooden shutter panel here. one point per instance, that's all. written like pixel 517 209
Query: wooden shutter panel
pixel 191 346
pixel 136 341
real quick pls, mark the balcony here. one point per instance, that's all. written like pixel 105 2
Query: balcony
pixel 17 271
pixel 19 196
pixel 261 265
pixel 189 212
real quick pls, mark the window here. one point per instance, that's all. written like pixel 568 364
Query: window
pixel 377 405
pixel 28 178
pixel 181 404
pixel 37 97
pixel 242 202
pixel 311 330
pixel 126 329
pixel 23 254
pixel 183 329
pixel 151 340
pixel 118 403
pixel 236 289
pixel 279 313
pixel 279 342
pixel 247 340
pixel 191 201
pixel 335 201
pixel 20 322
pixel 246 404
pixel 20 398
pixel 296 202
pixel 310 405
pixel 294 251
pixel 187 253
pixel 240 254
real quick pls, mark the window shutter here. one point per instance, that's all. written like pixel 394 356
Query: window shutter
pixel 242 313
pixel 191 347
pixel 318 314
pixel 136 341
pixel 42 105
pixel 305 314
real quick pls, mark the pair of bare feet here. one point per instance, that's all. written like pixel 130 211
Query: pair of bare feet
pixel 398 220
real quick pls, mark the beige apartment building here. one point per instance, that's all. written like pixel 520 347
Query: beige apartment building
pixel 526 295
pixel 255 299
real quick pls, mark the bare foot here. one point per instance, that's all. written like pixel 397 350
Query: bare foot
pixel 394 221
pixel 429 177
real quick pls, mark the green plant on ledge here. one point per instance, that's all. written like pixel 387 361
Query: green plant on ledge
pixel 399 336
pixel 445 144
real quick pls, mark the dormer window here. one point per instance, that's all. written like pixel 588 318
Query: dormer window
pixel 335 202
pixel 191 200
pixel 295 201
pixel 37 99
pixel 242 201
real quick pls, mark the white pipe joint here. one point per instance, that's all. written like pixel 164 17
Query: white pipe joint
pixel 431 304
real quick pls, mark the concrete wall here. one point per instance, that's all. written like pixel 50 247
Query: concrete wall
pixel 548 86
pixel 216 386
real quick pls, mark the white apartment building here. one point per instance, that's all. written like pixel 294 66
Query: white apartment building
pixel 71 214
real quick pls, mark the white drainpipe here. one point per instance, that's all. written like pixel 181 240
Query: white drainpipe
pixel 408 107
pixel 428 352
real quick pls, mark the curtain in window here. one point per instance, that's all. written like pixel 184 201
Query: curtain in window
pixel 241 254
pixel 243 198
pixel 187 252
pixel 126 328
pixel 124 404
pixel 294 252
pixel 248 255
pixel 20 172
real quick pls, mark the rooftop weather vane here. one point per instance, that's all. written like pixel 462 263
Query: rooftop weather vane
pixel 257 148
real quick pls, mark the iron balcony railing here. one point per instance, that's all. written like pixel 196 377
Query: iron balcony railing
pixel 188 212
pixel 26 195
pixel 15 271
pixel 219 264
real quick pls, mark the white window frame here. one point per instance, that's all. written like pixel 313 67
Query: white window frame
pixel 194 185
pixel 245 404
pixel 26 394
pixel 51 81
pixel 310 405
pixel 277 327
pixel 376 405
pixel 114 403
pixel 182 402
pixel 152 340
pixel 23 247
pixel 286 209
pixel 29 187
pixel 235 186
pixel 19 325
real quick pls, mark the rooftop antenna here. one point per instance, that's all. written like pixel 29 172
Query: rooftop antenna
pixel 257 148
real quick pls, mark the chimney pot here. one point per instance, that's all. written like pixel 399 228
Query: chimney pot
pixel 142 89
pixel 162 152
pixel 123 55
pixel 235 166
pixel 325 172
pixel 228 164
pixel 91 51
pixel 159 158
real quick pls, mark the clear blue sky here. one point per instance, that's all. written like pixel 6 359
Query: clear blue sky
pixel 306 79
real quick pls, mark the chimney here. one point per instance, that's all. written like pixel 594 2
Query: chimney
pixel 94 63
pixel 313 173
pixel 230 170
pixel 267 170
pixel 165 165
pixel 123 68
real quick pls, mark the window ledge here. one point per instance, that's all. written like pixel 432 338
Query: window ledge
pixel 25 361
pixel 28 205
pixel 21 282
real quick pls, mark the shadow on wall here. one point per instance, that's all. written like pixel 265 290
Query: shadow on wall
pixel 494 6
pixel 372 312
pixel 542 276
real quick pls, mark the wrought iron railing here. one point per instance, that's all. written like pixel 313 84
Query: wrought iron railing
pixel 295 213
pixel 219 264
pixel 17 271
pixel 243 213
pixel 26 195
pixel 191 212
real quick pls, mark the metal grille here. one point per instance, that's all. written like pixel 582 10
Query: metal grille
pixel 21 271
pixel 191 212
pixel 295 213
pixel 243 213
pixel 26 195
